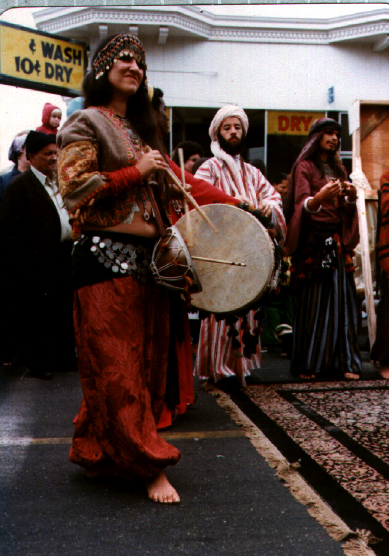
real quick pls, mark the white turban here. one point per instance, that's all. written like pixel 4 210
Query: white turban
pixel 228 111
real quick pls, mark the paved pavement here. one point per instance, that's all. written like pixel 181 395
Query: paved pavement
pixel 233 504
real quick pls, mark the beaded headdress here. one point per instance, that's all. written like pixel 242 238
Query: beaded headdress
pixel 119 46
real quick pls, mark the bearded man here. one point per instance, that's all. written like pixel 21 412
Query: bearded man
pixel 216 357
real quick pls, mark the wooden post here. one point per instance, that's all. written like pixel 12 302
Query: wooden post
pixel 364 240
pixel 189 239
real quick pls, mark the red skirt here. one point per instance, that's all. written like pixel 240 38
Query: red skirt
pixel 122 334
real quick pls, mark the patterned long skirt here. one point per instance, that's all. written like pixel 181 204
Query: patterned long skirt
pixel 122 336
pixel 325 339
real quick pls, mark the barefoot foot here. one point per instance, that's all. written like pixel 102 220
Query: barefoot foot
pixel 384 372
pixel 160 490
pixel 351 376
pixel 306 377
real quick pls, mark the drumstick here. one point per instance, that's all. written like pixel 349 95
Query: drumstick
pixel 147 149
pixel 191 200
pixel 233 263
pixel 186 208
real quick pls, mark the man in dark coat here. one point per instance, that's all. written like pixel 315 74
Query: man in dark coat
pixel 36 250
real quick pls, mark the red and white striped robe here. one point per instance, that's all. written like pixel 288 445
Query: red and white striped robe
pixel 215 356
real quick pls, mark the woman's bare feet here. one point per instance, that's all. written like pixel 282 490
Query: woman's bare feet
pixel 160 490
pixel 306 377
pixel 384 372
pixel 351 376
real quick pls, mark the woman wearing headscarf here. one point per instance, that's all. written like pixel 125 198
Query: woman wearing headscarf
pixel 109 152
pixel 322 233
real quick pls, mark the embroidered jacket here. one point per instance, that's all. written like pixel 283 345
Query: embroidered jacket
pixel 93 141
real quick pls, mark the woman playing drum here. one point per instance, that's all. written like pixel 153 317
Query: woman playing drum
pixel 109 150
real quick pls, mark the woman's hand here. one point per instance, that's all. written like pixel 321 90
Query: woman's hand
pixel 150 163
pixel 328 192
pixel 350 191
pixel 331 190
pixel 175 192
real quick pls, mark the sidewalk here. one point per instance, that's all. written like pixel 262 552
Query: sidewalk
pixel 232 502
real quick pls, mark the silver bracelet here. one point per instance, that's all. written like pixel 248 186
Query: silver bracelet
pixel 350 202
pixel 307 209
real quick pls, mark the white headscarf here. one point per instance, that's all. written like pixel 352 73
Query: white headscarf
pixel 228 111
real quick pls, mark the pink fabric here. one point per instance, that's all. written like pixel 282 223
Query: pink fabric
pixel 204 191
pixel 215 356
pixel 216 172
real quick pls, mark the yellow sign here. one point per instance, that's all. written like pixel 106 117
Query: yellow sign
pixel 41 61
pixel 291 123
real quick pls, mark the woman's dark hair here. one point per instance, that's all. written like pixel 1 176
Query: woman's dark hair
pixel 98 92
pixel 279 177
pixel 157 99
pixel 333 162
pixel 190 148
pixel 199 162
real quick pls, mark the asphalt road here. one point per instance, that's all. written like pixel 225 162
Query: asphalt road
pixel 232 502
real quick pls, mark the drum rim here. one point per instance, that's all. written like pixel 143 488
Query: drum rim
pixel 242 308
pixel 173 231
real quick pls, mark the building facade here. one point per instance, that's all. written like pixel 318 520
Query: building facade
pixel 273 67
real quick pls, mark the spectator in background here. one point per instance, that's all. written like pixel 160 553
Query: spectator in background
pixel 17 155
pixel 260 165
pixel 380 349
pixel 36 261
pixel 280 184
pixel 159 111
pixel 75 104
pixel 51 119
pixel 198 163
pixel 192 153
pixel 277 326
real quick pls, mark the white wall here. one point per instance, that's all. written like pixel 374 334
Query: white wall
pixel 268 76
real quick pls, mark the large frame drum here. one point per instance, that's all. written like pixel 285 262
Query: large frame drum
pixel 241 238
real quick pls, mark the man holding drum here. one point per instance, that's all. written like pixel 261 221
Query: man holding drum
pixel 216 357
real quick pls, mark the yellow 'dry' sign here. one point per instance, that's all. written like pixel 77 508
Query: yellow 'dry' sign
pixel 291 123
pixel 41 61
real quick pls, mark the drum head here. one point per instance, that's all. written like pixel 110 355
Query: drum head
pixel 241 238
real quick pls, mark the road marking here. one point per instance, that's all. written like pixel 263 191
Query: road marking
pixel 195 435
